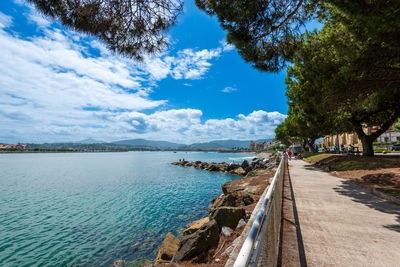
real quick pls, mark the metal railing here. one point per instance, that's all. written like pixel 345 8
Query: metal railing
pixel 261 245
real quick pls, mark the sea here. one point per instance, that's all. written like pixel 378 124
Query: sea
pixel 91 209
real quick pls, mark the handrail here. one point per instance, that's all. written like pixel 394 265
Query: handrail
pixel 258 234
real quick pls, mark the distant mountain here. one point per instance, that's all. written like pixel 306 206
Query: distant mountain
pixel 89 141
pixel 148 143
pixel 225 144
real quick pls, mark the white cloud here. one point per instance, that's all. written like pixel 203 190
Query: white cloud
pixel 226 47
pixel 5 21
pixel 188 64
pixel 38 19
pixel 229 89
pixel 54 89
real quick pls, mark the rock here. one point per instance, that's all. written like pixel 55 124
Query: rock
pixel 232 247
pixel 146 263
pixel 196 225
pixel 234 199
pixel 213 168
pixel 167 249
pixel 239 171
pixel 200 241
pixel 241 223
pixel 118 263
pixel 228 216
pixel 251 189
pixel 217 202
pixel 245 164
pixel 226 231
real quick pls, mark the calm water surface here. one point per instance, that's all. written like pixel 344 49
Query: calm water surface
pixel 89 209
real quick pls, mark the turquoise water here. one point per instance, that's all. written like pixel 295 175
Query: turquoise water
pixel 90 209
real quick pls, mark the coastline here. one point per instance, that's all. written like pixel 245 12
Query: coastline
pixel 210 240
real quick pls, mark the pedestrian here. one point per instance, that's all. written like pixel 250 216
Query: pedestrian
pixel 290 155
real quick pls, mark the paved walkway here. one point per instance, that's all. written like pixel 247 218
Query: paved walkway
pixel 341 223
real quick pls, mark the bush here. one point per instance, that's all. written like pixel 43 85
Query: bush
pixel 380 150
pixel 273 153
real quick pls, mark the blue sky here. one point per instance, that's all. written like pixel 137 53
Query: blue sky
pixel 58 85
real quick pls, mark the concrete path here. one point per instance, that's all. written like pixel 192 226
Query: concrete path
pixel 342 224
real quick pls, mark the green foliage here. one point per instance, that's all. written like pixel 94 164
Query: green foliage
pixel 380 150
pixel 130 27
pixel 395 192
pixel 264 32
pixel 396 127
pixel 273 153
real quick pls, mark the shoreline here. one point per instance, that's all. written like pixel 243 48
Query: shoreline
pixel 210 240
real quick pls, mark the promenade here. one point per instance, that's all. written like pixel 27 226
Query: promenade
pixel 340 223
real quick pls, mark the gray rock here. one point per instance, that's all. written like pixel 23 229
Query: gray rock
pixel 230 249
pixel 198 242
pixel 228 216
pixel 241 223
pixel 245 164
pixel 226 231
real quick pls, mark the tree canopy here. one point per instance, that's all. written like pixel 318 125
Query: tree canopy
pixel 328 82
pixel 267 33
pixel 131 27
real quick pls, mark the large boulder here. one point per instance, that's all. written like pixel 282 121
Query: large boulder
pixel 200 241
pixel 196 225
pixel 213 167
pixel 239 171
pixel 234 199
pixel 228 216
pixel 245 164
pixel 167 249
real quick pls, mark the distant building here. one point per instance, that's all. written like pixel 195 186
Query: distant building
pixel 352 139
pixel 21 146
pixel 257 146
pixel 389 136
pixel 252 146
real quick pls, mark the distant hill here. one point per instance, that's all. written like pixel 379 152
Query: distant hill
pixel 148 143
pixel 225 144
pixel 89 141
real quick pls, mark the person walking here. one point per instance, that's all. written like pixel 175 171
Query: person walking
pixel 290 155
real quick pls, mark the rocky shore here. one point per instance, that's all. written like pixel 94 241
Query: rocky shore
pixel 210 241
pixel 236 169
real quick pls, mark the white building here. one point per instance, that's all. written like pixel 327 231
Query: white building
pixel 389 136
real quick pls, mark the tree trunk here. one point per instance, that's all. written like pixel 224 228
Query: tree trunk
pixel 368 149
pixel 310 144
pixel 304 145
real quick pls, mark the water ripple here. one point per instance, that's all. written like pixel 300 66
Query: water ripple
pixel 91 209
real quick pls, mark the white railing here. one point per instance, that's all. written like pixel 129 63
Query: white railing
pixel 261 245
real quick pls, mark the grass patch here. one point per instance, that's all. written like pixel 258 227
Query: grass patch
pixel 316 157
pixel 331 162
pixel 390 191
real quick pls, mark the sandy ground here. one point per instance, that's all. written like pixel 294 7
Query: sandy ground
pixel 341 223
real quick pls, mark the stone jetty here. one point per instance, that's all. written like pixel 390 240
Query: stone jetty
pixel 242 169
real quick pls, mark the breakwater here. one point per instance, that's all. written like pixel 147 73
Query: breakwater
pixel 211 239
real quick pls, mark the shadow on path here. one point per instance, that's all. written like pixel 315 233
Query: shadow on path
pixel 361 195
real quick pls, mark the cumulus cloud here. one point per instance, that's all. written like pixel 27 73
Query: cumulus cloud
pixel 55 88
pixel 229 89
pixel 187 64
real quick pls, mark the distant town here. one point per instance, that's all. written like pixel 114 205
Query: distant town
pixel 143 145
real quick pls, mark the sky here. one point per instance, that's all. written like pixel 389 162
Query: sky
pixel 58 85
